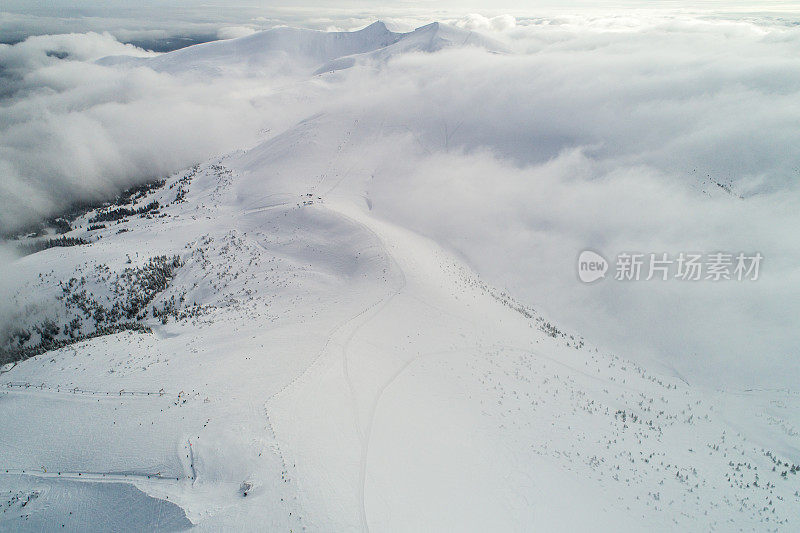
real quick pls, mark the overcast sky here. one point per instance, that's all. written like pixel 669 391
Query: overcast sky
pixel 159 19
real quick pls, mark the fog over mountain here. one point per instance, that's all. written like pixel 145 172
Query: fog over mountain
pixel 334 259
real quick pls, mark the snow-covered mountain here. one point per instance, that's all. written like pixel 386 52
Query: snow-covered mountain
pixel 289 50
pixel 253 344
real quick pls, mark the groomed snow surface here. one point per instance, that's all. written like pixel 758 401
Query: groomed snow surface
pixel 343 373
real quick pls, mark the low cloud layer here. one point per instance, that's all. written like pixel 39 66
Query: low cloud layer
pixel 649 133
pixel 654 136
pixel 72 130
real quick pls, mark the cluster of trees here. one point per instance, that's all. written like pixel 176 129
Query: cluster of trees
pixel 183 184
pixel 63 222
pixel 139 285
pixel 61 225
pixel 132 289
pixel 32 247
pixel 543 325
pixel 11 354
pixel 129 196
pixel 170 308
pixel 124 306
pixel 780 464
pixel 111 214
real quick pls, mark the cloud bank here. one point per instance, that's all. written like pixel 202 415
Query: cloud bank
pixel 647 133
pixel 72 130
pixel 653 136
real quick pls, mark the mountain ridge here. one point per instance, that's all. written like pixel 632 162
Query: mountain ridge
pixel 317 51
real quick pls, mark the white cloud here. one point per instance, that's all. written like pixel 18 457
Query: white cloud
pixel 232 32
pixel 614 142
pixel 523 228
pixel 72 130
pixel 478 22
pixel 41 51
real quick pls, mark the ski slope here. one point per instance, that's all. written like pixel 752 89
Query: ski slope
pixel 336 371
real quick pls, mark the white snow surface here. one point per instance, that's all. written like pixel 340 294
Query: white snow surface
pixel 353 374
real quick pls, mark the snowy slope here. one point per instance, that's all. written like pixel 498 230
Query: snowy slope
pixel 360 377
pixel 326 369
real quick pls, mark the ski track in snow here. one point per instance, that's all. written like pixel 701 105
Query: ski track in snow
pixel 364 432
pixel 368 313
